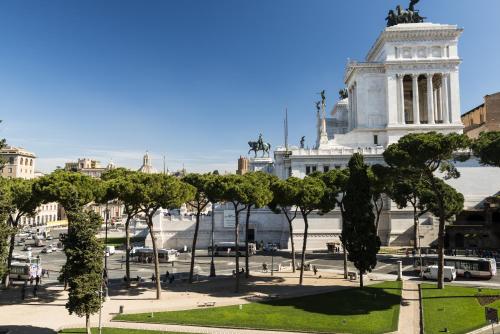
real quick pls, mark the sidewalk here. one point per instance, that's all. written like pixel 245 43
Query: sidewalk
pixel 191 329
pixel 409 312
pixel 47 313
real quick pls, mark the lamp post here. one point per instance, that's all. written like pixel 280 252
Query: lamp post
pixel 273 250
pixel 106 216
pixel 212 264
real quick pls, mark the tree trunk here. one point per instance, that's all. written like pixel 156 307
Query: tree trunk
pixel 361 280
pixel 155 256
pixel 193 248
pixel 290 227
pixel 378 211
pixel 344 255
pixel 247 266
pixel 127 250
pixel 304 245
pixel 441 253
pixel 236 247
pixel 344 252
pixel 13 224
pixel 87 323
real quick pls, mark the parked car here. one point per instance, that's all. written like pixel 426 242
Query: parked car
pixel 47 250
pixel 27 248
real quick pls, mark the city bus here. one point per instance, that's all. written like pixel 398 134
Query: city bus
pixel 145 255
pixel 23 268
pixel 228 249
pixel 468 267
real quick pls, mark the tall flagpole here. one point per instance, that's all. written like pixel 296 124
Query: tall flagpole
pixel 286 129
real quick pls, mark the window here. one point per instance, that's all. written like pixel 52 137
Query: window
pixel 481 118
pixel 308 170
pixel 313 168
pixel 326 169
pixel 337 166
pixel 289 171
pixel 375 139
pixel 11 160
pixel 21 161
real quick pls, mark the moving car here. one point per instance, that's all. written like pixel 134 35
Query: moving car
pixel 27 248
pixel 47 250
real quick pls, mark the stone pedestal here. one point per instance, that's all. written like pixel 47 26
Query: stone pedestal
pixel 264 164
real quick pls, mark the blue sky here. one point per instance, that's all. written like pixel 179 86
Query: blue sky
pixel 195 80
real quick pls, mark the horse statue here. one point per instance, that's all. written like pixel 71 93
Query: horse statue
pixel 410 15
pixel 256 147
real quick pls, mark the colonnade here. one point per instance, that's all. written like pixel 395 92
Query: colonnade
pixel 423 98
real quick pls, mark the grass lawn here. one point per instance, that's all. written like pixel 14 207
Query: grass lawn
pixel 106 330
pixel 457 308
pixel 375 309
pixel 119 241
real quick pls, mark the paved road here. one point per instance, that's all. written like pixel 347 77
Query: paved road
pixel 387 264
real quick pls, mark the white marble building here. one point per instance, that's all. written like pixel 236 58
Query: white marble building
pixel 409 82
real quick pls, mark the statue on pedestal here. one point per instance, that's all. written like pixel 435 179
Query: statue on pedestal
pixel 259 145
pixel 302 141
pixel 343 94
pixel 410 15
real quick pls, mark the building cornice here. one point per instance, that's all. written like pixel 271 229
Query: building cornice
pixel 414 32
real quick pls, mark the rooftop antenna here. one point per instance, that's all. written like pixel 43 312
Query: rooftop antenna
pixel 164 171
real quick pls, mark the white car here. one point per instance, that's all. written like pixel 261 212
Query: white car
pixel 27 248
pixel 47 250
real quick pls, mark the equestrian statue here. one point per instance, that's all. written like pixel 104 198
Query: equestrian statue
pixel 259 145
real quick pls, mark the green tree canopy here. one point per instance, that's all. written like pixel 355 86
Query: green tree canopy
pixel 487 148
pixel 72 190
pixel 123 185
pixel 310 196
pixel 160 191
pixel 424 154
pixel 84 265
pixel 259 195
pixel 202 184
pixel 359 234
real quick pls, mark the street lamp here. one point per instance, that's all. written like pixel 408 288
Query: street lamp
pixel 212 264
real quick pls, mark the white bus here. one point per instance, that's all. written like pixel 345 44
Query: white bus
pixel 23 268
pixel 228 249
pixel 468 267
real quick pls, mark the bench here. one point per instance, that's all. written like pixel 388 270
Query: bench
pixel 206 304
pixel 352 275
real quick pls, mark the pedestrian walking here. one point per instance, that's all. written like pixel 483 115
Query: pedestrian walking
pixel 37 280
pixel 35 290
pixel 153 278
pixel 31 280
pixel 315 270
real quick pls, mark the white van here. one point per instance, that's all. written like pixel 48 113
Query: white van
pixel 449 273
pixel 110 250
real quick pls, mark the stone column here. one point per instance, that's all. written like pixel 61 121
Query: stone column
pixel 401 99
pixel 444 97
pixel 350 108
pixel 430 99
pixel 416 111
